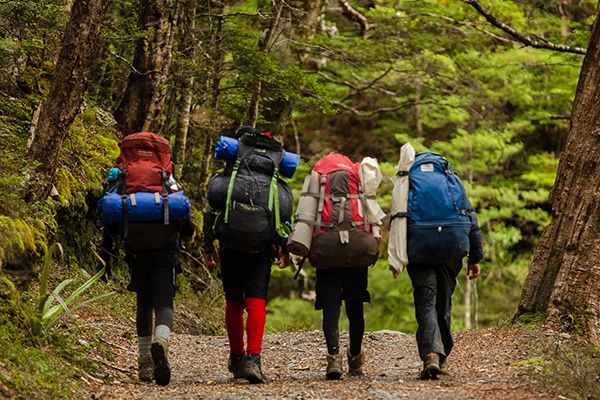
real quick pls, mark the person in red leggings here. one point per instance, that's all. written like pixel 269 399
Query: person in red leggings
pixel 245 279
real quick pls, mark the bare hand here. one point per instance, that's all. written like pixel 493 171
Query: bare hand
pixel 473 270
pixel 284 259
pixel 212 258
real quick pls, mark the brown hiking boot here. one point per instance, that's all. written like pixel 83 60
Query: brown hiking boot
pixel 162 369
pixel 431 366
pixel 252 371
pixel 334 367
pixel 444 366
pixel 355 363
pixel 145 369
pixel 236 365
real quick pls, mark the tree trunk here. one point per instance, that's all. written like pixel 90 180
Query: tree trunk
pixel 78 54
pixel 141 106
pixel 263 44
pixel 309 25
pixel 564 279
pixel 187 44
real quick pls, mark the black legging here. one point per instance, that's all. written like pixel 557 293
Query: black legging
pixel 145 308
pixel 356 320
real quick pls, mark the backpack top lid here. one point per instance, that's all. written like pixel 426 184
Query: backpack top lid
pixel 146 146
pixel 436 192
pixel 335 162
pixel 261 140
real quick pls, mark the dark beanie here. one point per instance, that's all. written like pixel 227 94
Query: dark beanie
pixel 246 129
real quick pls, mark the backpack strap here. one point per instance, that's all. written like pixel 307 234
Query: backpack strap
pixel 362 199
pixel 322 182
pixel 236 166
pixel 165 198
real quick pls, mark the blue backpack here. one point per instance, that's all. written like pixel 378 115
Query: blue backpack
pixel 438 222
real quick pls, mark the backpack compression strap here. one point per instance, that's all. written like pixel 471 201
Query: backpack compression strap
pixel 165 198
pixel 122 187
pixel 230 189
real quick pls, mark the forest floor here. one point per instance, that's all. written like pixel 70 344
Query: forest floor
pixel 500 363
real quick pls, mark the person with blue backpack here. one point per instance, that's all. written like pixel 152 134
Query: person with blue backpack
pixel 442 229
pixel 245 229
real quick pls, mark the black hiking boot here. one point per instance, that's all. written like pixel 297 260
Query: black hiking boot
pixel 431 366
pixel 162 369
pixel 236 365
pixel 252 370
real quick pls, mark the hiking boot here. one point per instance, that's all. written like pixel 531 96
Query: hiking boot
pixel 355 363
pixel 162 369
pixel 431 366
pixel 334 367
pixel 236 365
pixel 252 370
pixel 146 369
pixel 444 366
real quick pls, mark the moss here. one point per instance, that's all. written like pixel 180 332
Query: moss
pixel 531 319
pixel 17 239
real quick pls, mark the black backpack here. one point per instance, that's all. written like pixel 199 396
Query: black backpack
pixel 250 202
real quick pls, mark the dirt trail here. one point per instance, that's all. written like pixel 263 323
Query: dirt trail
pixel 484 365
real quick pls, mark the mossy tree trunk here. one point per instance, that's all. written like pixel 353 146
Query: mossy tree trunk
pixel 141 107
pixel 78 54
pixel 564 279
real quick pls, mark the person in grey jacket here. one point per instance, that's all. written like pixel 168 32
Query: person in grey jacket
pixel 433 286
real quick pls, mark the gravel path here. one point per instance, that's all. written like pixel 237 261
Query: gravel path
pixel 484 365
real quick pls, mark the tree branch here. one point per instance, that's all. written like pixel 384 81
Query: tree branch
pixel 526 40
pixel 355 16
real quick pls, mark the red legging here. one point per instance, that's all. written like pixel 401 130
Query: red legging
pixel 255 325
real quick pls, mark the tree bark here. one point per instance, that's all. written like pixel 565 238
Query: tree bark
pixel 263 44
pixel 564 279
pixel 78 54
pixel 188 45
pixel 141 106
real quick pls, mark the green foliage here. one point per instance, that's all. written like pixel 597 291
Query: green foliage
pixel 48 312
pixel 288 315
pixel 28 371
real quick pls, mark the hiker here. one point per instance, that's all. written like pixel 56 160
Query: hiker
pixel 433 286
pixel 248 242
pixel 339 207
pixel 442 231
pixel 151 245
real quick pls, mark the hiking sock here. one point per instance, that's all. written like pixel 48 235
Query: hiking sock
pixel 234 323
pixel 331 318
pixel 255 325
pixel 160 350
pixel 145 363
pixel 356 320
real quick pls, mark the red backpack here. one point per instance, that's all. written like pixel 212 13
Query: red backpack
pixel 342 235
pixel 145 163
pixel 142 199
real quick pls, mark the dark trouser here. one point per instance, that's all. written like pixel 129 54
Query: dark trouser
pixel 349 285
pixel 433 286
pixel 153 274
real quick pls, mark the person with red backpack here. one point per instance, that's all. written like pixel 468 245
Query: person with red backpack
pixel 146 209
pixel 344 221
pixel 249 212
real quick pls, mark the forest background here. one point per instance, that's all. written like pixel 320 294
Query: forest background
pixel 488 84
